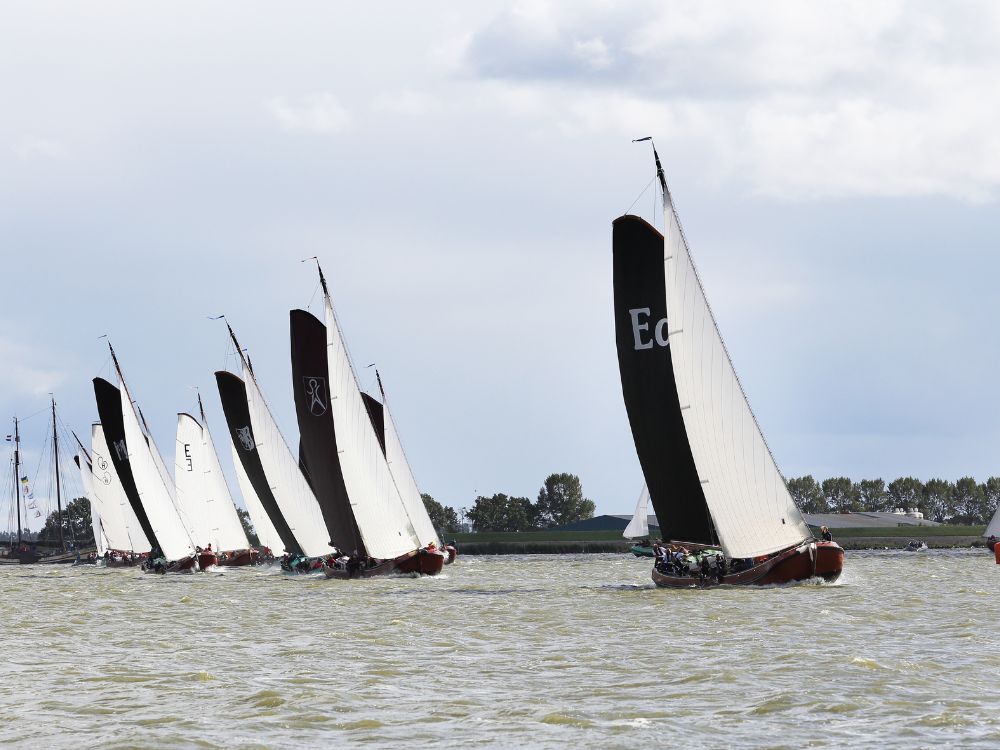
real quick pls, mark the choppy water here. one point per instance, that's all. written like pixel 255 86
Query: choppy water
pixel 533 651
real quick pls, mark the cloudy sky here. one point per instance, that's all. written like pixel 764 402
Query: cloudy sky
pixel 456 168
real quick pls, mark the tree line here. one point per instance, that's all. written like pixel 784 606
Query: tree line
pixel 560 501
pixel 963 502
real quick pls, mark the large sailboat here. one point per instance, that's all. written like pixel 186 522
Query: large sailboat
pixel 712 480
pixel 354 459
pixel 144 477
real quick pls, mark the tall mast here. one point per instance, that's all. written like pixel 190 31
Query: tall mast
pixel 17 479
pixel 55 459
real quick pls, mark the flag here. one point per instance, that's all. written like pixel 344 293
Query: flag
pixel 27 489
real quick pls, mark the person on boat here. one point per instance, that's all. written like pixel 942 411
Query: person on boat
pixel 825 534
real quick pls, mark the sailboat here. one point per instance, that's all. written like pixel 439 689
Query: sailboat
pixel 210 515
pixel 638 527
pixel 992 531
pixel 354 459
pixel 144 478
pixel 44 551
pixel 714 485
pixel 280 474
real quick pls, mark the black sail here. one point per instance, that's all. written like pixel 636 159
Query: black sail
pixel 317 435
pixel 109 410
pixel 233 393
pixel 648 385
pixel 377 417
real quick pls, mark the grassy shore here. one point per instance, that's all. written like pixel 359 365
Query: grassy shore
pixel 572 542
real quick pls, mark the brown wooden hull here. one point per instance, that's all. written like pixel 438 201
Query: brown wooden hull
pixel 452 554
pixel 800 563
pixel 184 565
pixel 207 560
pixel 420 562
pixel 238 558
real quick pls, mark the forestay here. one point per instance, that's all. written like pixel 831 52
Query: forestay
pixel 210 514
pixel 638 527
pixel 750 505
pixel 155 493
pixel 121 527
pixel 379 510
pixel 291 491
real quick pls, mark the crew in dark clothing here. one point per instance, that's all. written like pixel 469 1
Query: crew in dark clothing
pixel 825 534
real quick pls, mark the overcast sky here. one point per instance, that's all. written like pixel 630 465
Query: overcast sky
pixel 456 167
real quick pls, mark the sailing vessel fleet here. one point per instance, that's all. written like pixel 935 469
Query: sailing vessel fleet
pixel 345 503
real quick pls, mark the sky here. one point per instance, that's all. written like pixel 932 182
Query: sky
pixel 456 168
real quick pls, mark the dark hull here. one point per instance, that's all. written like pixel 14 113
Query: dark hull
pixel 238 558
pixel 185 565
pixel 421 562
pixel 452 554
pixel 800 563
pixel 207 560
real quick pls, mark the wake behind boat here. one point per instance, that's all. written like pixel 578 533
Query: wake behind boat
pixel 711 477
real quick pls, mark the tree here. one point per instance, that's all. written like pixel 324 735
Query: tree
pixel 251 532
pixel 840 494
pixel 938 503
pixel 905 492
pixel 970 504
pixel 561 501
pixel 871 494
pixel 808 496
pixel 76 524
pixel 991 497
pixel 443 517
pixel 503 513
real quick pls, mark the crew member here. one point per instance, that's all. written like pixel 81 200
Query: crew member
pixel 825 534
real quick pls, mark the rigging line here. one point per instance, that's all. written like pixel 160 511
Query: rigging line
pixel 641 193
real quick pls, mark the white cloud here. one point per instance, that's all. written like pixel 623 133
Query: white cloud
pixel 32 147
pixel 407 103
pixel 793 100
pixel 318 113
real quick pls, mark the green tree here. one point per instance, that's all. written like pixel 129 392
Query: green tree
pixel 807 494
pixel 938 501
pixel 561 501
pixel 905 493
pixel 251 532
pixel 840 494
pixel 503 513
pixel 872 495
pixel 76 524
pixel 970 504
pixel 444 518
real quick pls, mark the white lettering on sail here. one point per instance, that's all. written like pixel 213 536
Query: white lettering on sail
pixel 639 327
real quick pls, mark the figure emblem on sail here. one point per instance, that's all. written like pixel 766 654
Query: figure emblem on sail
pixel 121 449
pixel 315 389
pixel 246 438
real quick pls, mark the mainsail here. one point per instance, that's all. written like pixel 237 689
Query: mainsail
pixel 385 524
pixel 750 506
pixel 272 528
pixel 86 476
pixel 993 528
pixel 121 526
pixel 638 527
pixel 211 513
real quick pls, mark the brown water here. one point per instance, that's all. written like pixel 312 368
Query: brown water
pixel 533 651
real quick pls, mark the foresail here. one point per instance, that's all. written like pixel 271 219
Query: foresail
pixel 86 477
pixel 229 527
pixel 154 492
pixel 993 529
pixel 378 507
pixel 121 526
pixel 638 527
pixel 751 507
pixel 290 489
pixel 406 484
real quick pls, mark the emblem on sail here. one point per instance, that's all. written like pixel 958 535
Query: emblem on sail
pixel 315 389
pixel 120 449
pixel 246 438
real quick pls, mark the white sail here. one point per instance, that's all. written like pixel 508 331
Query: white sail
pixel 292 493
pixel 155 493
pixel 399 467
pixel 750 505
pixel 121 526
pixel 638 527
pixel 381 516
pixel 210 514
pixel 267 535
pixel 86 476
pixel 993 528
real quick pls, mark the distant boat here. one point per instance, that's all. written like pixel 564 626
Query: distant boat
pixel 992 530
pixel 354 458
pixel 711 477
pixel 915 545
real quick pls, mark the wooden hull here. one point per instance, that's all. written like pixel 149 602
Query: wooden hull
pixel 991 544
pixel 452 553
pixel 184 565
pixel 800 563
pixel 420 562
pixel 238 558
pixel 207 560
pixel 110 562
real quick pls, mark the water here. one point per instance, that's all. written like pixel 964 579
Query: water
pixel 533 651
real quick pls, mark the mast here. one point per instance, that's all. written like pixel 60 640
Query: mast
pixel 55 459
pixel 17 479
